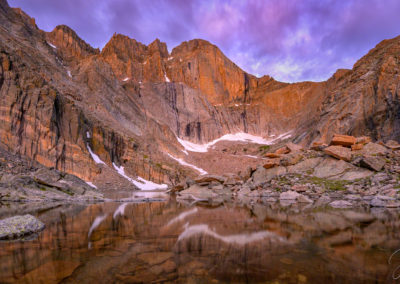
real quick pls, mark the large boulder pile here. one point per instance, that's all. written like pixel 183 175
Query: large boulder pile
pixel 349 171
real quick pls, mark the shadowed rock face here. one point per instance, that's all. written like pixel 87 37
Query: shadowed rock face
pixel 128 102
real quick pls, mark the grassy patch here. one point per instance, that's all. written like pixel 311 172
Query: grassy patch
pixel 330 184
pixel 264 148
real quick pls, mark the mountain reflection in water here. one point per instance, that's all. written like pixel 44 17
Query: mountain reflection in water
pixel 168 241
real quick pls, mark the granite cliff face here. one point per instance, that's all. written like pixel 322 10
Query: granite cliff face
pixel 62 99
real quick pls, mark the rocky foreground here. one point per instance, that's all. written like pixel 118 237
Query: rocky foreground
pixel 23 180
pixel 349 172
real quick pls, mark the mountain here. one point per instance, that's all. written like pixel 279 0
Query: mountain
pixel 96 113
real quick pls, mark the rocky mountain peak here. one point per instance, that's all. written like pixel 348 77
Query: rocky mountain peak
pixel 69 44
pixel 25 17
pixel 124 48
pixel 158 46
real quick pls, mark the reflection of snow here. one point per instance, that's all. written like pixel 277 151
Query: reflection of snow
pixel 87 134
pixel 52 45
pixel 150 194
pixel 140 182
pixel 96 158
pixel 166 78
pixel 91 184
pixel 244 137
pixel 120 210
pixel 126 79
pixel 239 239
pixel 182 216
pixel 182 162
pixel 69 73
pixel 96 223
pixel 170 58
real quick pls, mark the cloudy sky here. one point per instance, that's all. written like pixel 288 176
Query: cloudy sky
pixel 291 40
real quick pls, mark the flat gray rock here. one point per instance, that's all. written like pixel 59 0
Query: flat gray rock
pixel 19 226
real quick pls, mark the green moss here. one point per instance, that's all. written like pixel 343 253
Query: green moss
pixel 310 171
pixel 43 189
pixel 145 156
pixel 158 165
pixel 264 148
pixel 330 184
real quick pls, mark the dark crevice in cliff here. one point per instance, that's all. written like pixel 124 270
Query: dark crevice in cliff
pixel 56 118
pixel 172 102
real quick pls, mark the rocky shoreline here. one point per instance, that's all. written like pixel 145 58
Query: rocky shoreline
pixel 350 172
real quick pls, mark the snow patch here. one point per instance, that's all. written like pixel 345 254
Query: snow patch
pixel 243 137
pixel 182 162
pixel 166 78
pixel 126 79
pixel 140 182
pixel 170 58
pixel 69 73
pixel 52 45
pixel 96 158
pixel 251 156
pixel 239 239
pixel 91 184
pixel 120 210
pixel 87 134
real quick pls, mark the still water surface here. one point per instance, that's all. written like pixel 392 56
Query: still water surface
pixel 167 241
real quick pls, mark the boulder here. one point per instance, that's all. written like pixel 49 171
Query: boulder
pixel 272 155
pixel 305 166
pixel 209 178
pixel 197 192
pixel 304 199
pixel 318 146
pixel 339 152
pixel 289 195
pixel 300 187
pixel 357 147
pixel 393 145
pixel 283 150
pixel 374 163
pixel 363 140
pixel 373 149
pixel 294 147
pixel 343 140
pixel 271 163
pixel 246 173
pixel 332 168
pixel 262 175
pixel 291 159
pixel 340 204
pixel 19 226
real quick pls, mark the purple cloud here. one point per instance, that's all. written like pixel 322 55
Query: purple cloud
pixel 288 39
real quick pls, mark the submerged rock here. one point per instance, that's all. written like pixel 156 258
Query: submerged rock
pixel 19 226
